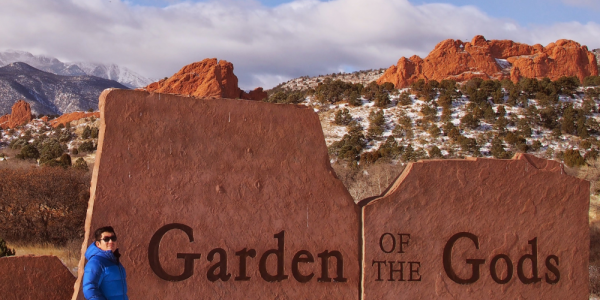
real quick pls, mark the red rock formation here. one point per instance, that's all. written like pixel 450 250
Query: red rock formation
pixel 257 94
pixel 4 120
pixel 66 118
pixel 207 78
pixel 494 59
pixel 20 114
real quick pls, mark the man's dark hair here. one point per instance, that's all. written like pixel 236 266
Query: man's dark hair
pixel 99 231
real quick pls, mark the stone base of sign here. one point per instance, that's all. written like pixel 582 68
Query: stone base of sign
pixel 34 277
pixel 478 229
pixel 222 199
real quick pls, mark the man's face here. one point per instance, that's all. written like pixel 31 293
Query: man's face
pixel 107 244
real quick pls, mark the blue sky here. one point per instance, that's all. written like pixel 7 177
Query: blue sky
pixel 525 12
pixel 272 41
pixel 529 12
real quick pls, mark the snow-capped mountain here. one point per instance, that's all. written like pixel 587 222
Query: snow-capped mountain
pixel 113 72
pixel 49 93
pixel 49 64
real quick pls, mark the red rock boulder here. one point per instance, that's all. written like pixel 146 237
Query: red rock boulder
pixel 494 59
pixel 20 115
pixel 257 94
pixel 35 277
pixel 207 78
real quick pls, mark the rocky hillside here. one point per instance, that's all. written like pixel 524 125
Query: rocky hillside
pixel 306 82
pixel 206 78
pixel 52 65
pixel 49 93
pixel 488 118
pixel 494 59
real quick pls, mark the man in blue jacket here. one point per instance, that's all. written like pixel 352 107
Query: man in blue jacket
pixel 104 276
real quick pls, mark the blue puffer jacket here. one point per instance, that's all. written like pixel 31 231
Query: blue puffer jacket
pixel 103 276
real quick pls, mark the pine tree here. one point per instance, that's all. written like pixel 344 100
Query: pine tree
pixel 434 131
pixel 404 99
pixel 498 150
pixel 80 164
pixel 376 124
pixel 342 117
pixel 489 114
pixel 573 158
pixel 582 131
pixel 435 152
pixel 382 99
pixel 469 121
pixel 87 132
pixel 523 127
pixel 409 154
pixel 568 120
pixel 498 97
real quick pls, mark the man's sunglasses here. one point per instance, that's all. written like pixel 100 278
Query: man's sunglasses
pixel 108 238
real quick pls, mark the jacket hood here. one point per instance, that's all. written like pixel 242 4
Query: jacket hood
pixel 93 250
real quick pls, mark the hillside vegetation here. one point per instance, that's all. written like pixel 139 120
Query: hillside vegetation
pixel 483 118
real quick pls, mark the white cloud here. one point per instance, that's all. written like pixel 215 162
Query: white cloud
pixel 266 45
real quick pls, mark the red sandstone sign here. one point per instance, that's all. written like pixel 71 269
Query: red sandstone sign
pixel 222 199
pixel 478 229
pixel 233 199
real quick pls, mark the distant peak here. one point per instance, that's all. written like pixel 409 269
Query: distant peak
pixel 19 66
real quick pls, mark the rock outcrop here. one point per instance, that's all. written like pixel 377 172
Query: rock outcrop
pixel 257 94
pixel 35 277
pixel 208 78
pixel 20 114
pixel 4 120
pixel 494 59
pixel 74 116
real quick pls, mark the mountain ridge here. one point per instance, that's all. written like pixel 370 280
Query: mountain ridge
pixel 48 93
pixel 53 65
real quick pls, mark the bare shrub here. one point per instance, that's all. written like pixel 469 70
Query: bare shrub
pixel 43 205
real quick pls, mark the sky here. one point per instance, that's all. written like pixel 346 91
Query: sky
pixel 272 41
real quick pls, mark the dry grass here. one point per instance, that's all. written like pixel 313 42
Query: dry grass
pixel 69 254
pixel 14 163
